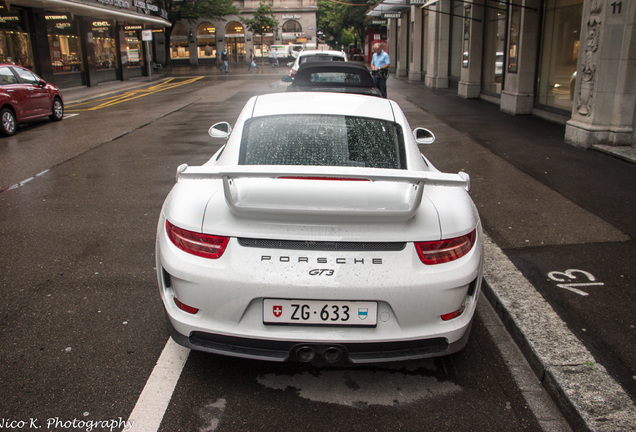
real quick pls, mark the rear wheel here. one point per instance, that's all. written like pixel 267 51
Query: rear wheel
pixel 58 110
pixel 8 124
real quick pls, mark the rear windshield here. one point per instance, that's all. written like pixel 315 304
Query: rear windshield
pixel 335 77
pixel 322 140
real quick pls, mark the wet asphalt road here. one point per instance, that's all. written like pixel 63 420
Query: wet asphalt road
pixel 82 325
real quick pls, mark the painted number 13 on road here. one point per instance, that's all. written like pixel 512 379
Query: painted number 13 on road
pixel 570 280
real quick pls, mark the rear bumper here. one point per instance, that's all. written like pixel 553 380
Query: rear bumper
pixel 282 351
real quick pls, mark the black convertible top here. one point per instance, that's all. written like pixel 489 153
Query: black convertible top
pixel 340 77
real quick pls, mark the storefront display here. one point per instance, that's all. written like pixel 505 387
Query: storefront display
pixel 105 47
pixel 206 41
pixel 179 43
pixel 134 47
pixel 262 44
pixel 15 41
pixel 64 43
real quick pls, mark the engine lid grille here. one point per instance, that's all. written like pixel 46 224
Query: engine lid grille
pixel 322 245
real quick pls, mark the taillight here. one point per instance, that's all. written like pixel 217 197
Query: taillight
pixel 453 315
pixel 184 307
pixel 203 245
pixel 442 251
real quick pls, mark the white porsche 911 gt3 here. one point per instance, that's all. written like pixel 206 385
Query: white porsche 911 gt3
pixel 319 232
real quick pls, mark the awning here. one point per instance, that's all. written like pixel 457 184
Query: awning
pixel 92 10
pixel 389 7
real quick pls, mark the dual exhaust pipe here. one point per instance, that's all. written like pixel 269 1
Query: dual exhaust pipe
pixel 329 353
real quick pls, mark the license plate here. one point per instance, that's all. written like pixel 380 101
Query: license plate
pixel 348 313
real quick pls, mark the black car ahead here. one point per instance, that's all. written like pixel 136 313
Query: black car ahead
pixel 339 77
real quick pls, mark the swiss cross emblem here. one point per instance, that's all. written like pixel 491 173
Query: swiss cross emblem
pixel 278 311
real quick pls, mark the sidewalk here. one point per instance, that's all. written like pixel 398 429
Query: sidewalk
pixel 475 135
pixel 588 395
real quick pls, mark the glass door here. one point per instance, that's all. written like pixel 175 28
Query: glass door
pixel 559 54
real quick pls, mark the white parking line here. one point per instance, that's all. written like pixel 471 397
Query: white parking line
pixel 154 399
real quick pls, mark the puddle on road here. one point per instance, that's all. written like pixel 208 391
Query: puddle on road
pixel 361 388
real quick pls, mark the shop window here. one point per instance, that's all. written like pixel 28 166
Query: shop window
pixel 206 41
pixel 64 43
pixel 134 47
pixel 466 37
pixel 559 54
pixel 15 42
pixel 179 42
pixel 513 46
pixel 262 44
pixel 105 47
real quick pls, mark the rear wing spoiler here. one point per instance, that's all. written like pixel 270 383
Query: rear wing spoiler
pixel 389 203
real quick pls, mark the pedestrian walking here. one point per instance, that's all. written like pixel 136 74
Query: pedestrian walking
pixel 380 68
pixel 224 60
pixel 275 54
pixel 252 62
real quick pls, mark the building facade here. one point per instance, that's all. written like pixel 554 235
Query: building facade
pixel 75 43
pixel 199 42
pixel 571 61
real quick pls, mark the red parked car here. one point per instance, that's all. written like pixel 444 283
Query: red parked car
pixel 26 96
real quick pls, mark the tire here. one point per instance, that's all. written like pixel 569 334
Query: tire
pixel 58 110
pixel 8 124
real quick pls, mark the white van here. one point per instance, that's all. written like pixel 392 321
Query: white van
pixel 282 51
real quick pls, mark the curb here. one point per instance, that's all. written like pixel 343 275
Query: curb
pixel 588 396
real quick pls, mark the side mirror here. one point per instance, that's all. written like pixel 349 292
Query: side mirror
pixel 220 130
pixel 423 136
pixel 286 78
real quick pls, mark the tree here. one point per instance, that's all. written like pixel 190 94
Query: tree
pixel 343 20
pixel 264 21
pixel 191 10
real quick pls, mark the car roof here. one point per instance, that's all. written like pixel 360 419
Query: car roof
pixel 316 103
pixel 332 53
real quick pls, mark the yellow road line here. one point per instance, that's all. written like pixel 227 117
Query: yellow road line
pixel 129 95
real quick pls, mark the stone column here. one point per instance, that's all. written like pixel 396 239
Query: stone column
pixel 470 80
pixel 393 43
pixel 403 45
pixel 192 45
pixel 605 92
pixel 517 96
pixel 438 27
